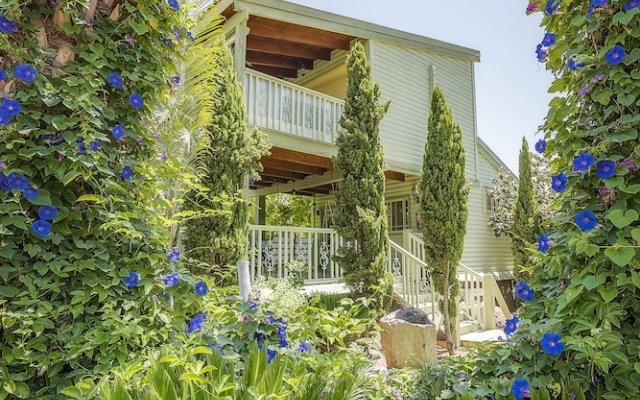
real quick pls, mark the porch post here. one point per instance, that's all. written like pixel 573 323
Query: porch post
pixel 489 302
pixel 240 46
pixel 261 210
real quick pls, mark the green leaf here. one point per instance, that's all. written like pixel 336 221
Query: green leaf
pixel 632 189
pixel 635 234
pixel 608 293
pixel 621 256
pixel 636 366
pixel 89 197
pixel 592 282
pixel 623 219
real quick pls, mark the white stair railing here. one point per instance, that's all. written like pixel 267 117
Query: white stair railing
pixel 282 106
pixel 271 248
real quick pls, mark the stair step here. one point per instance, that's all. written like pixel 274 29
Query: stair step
pixel 479 338
pixel 468 327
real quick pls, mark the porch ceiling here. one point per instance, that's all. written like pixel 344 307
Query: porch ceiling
pixel 281 48
pixel 290 171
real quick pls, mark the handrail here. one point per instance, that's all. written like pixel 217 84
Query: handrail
pixel 404 252
pixel 293 86
pixel 296 229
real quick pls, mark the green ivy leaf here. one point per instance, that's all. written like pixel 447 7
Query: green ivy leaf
pixel 608 293
pixel 621 256
pixel 622 219
pixel 591 282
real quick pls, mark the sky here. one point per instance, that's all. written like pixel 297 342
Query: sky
pixel 511 86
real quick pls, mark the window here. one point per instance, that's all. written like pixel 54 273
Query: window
pixel 398 215
pixel 490 202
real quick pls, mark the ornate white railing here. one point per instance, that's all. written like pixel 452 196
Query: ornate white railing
pixel 475 287
pixel 411 279
pixel 278 105
pixel 272 248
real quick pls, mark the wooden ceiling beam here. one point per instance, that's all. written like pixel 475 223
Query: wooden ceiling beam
pixel 275 60
pixel 394 176
pixel 277 71
pixel 292 166
pixel 274 179
pixel 282 173
pixel 317 191
pixel 298 157
pixel 261 184
pixel 266 45
pixel 279 30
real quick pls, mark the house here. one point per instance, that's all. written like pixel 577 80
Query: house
pixel 291 60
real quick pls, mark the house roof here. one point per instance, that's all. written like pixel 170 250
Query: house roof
pixel 294 13
pixel 492 157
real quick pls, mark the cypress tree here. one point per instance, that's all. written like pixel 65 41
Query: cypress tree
pixel 443 204
pixel 525 218
pixel 218 237
pixel 360 213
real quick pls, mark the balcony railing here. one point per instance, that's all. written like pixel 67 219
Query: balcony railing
pixel 278 105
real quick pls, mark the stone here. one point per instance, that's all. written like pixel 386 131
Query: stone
pixel 408 338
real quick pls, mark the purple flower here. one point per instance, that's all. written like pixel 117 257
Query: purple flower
pixel 549 39
pixel 25 72
pixel 82 149
pixel 583 162
pixel 520 389
pixel 544 243
pixel 196 323
pixel 132 280
pixel 17 182
pixel 585 90
pixel 606 169
pixel 3 165
pixel 271 355
pixel 4 117
pixel 524 292
pixel 130 41
pixel 304 347
pixel 551 7
pixel 175 80
pixel 3 74
pixel 551 344
pixel 541 53
pixel 136 101
pixel 95 145
pixel 41 228
pixel 11 107
pixel 114 80
pixel 174 255
pixel 573 65
pixel 397 393
pixel 163 156
pixel 201 288
pixel 171 280
pixel 631 4
pixel 615 55
pixel 173 4
pixel 118 132
pixel 48 213
pixel 190 36
pixel 511 325
pixel 6 25
pixel 30 193
pixel 630 165
pixel 598 3
pixel 607 196
pixel 216 346
pixel 586 220
pixel 126 173
pixel 597 78
pixel 532 7
pixel 559 182
pixel 541 146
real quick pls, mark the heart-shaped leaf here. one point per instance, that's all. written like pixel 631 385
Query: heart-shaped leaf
pixel 592 282
pixel 623 219
pixel 608 293
pixel 621 256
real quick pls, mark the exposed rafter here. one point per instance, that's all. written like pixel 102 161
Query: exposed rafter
pixel 266 45
pixel 277 71
pixel 279 30
pixel 273 60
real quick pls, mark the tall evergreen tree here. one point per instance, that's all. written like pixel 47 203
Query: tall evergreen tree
pixel 360 213
pixel 525 215
pixel 443 204
pixel 219 237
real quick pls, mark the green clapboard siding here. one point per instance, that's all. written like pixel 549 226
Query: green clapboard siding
pixel 404 75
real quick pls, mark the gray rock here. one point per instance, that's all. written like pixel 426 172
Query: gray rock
pixel 413 315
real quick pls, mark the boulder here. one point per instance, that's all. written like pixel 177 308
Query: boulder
pixel 408 338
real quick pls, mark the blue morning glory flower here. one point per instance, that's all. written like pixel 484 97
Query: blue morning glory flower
pixel 520 389
pixel 559 182
pixel 282 332
pixel 25 72
pixel 30 193
pixel 82 149
pixel 126 173
pixel 511 325
pixel 615 55
pixel 174 255
pixel 541 146
pixel 18 182
pixel 524 292
pixel 304 347
pixel 583 162
pixel 631 4
pixel 48 213
pixel 4 117
pixel 190 36
pixel 551 7
pixel 216 346
pixel 201 288
pixel 573 65
pixel 271 355
pixel 114 80
pixel 118 132
pixel 3 74
pixel 175 80
pixel 95 145
pixel 41 228
pixel 598 3
pixel 12 107
pixel 173 4
pixel 586 220
pixel 196 323
pixel 283 343
pixel 136 101
pixel 606 169
pixel 7 25
pixel 544 243
pixel 551 344
pixel 541 53
pixel 171 280
pixel 549 39
pixel 132 280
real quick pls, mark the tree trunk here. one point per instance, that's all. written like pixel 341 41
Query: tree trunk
pixel 445 310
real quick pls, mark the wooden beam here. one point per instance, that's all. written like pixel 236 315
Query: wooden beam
pixel 262 184
pixel 275 60
pixel 266 45
pixel 317 191
pixel 282 173
pixel 301 185
pixel 292 166
pixel 276 71
pixel 279 30
pixel 274 179
pixel 299 157
pixel 394 176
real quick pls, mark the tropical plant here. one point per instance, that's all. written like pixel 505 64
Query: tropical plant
pixel 443 205
pixel 360 214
